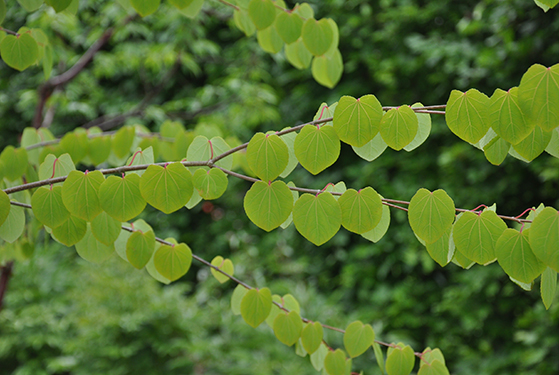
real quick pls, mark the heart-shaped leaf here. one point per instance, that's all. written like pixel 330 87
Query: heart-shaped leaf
pixel 361 210
pixel 317 148
pixel 298 54
pixel 328 68
pixel 5 206
pixel 467 114
pixel 121 198
pixel 71 231
pixel 358 337
pixel 430 214
pixel 225 265
pixel 507 118
pixel 145 7
pixel 262 13
pixel 268 205
pixel 335 362
pixel 48 207
pixel 544 237
pixel 357 121
pixel 289 26
pixel 317 36
pixel 312 336
pixel 14 162
pixel 317 218
pixel 267 156
pixel 538 95
pixel 166 188
pixel 90 249
pixel 398 127
pixel 105 228
pixel 14 224
pixel 210 184
pixel 140 247
pixel 516 257
pixel 534 144
pixel 400 360
pixel 255 306
pixel 80 194
pixel 19 52
pixel 172 262
pixel 288 327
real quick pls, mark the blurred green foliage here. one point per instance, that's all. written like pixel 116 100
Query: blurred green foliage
pixel 64 316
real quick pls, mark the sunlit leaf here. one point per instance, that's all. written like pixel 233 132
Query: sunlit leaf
pixel 145 7
pixel 467 114
pixel 317 36
pixel 544 237
pixel 223 264
pixel 166 188
pixel 507 118
pixel 317 218
pixel 358 337
pixel 105 228
pixel 255 306
pixel 19 52
pixel 538 95
pixel 430 214
pixel 267 156
pixel 71 231
pixel 80 194
pixel 121 198
pixel 311 336
pixel 268 205
pixel 357 121
pixel 172 262
pixel 361 210
pixel 262 13
pixel 48 207
pixel 398 127
pixel 140 247
pixel 317 148
pixel 400 360
pixel 548 287
pixel 516 257
pixel 288 327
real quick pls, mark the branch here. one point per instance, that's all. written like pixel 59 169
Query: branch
pixel 5 273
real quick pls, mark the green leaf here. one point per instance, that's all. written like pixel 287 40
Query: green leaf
pixel 53 167
pixel 140 248
pixel 141 157
pixel 236 299
pixel 380 229
pixel 335 362
pixel 548 287
pixel 398 127
pixel 516 257
pixel 268 205
pixel 210 184
pixel 361 210
pixel 289 140
pixel 30 5
pixel 475 235
pixel 534 144
pixel 223 264
pixel 13 225
pixel 358 337
pixel 298 54
pixel 4 207
pixel 269 40
pixel 19 52
pixel 400 360
pixel 145 7
pixel 305 11
pixel 467 114
pixel 544 237
pixel 429 355
pixel 120 243
pixel 507 118
pixel 288 327
pixel 372 149
pixel 538 95
pixel 549 3
pixel 172 262
pixel 14 162
pixel 255 306
pixel 442 250
pixel 202 149
pixel 317 36
pixel 2 11
pixel 181 4
pixel 58 5
pixel 379 356
pixel 311 336
pixel 267 156
pixel 166 188
pixel 317 218
pixel 327 69
pixel 193 9
pixel 317 358
pixel 295 195
pixel 357 121
pixel 496 150
pixel 90 249
pixel 30 137
pixel 430 214
pixel 48 207
pixel 243 22
pixel 317 148
pixel 289 26
pixel 80 194
pixel 71 231
pixel 262 13
pixel 124 138
pixel 423 129
pixel 105 228
pixel 121 198
pixel 434 368
pixel 99 149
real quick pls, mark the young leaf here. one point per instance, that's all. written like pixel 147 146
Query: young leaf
pixel 140 248
pixel 357 121
pixel 223 264
pixel 398 127
pixel 544 237
pixel 361 210
pixel 166 188
pixel 262 13
pixel 210 184
pixel 475 235
pixel 538 95
pixel 48 207
pixel 467 114
pixel 507 119
pixel 430 214
pixel 317 218
pixel 335 362
pixel 19 52
pixel 14 224
pixel 141 157
pixel 311 336
pixel 105 228
pixel 429 355
pixel 358 337
pixel 328 68
pixel 548 287
pixel 255 306
pixel 71 231
pixel 288 327
pixel 516 257
pixel 289 26
pixel 80 194
pixel 90 249
pixel 53 167
pixel 145 7
pixel 317 148
pixel 243 22
pixel 267 156
pixel 400 360
pixel 121 198
pixel 172 262
pixel 317 36
pixel 268 205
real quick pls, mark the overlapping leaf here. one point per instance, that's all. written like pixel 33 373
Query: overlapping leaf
pixel 210 184
pixel 48 207
pixel 105 228
pixel 361 210
pixel 380 229
pixel 71 231
pixel 262 13
pixel 423 129
pixel 14 162
pixel 400 360
pixel 13 225
pixel 311 336
pixel 317 148
pixel 548 287
pixel 172 262
pixel 121 198
pixel 430 214
pixel 317 218
pixel 318 36
pixel 357 121
pixel 538 95
pixel 145 7
pixel 223 264
pixel 90 249
pixel 534 144
pixel 328 68
pixel 544 237
pixel 289 26
pixel 398 127
pixel 515 256
pixel 80 194
pixel 4 206
pixel 372 149
pixel 358 337
pixel 166 188
pixel 140 247
pixel 507 119
pixel 442 250
pixel 288 327
pixel 255 306
pixel 268 205
pixel 267 156
pixel 496 150
pixel 335 362
pixel 467 114
pixel 298 54
pixel 269 40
